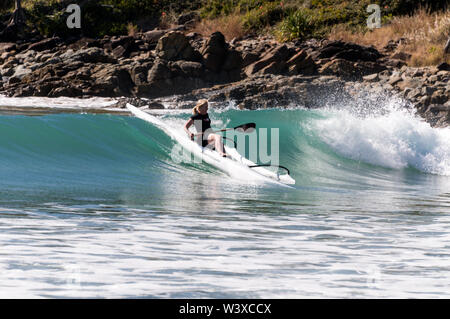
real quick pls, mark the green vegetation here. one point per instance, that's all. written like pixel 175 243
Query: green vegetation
pixel 288 19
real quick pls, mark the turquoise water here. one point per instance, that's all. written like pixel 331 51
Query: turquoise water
pixel 95 206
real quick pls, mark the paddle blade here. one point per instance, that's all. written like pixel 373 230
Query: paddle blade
pixel 247 128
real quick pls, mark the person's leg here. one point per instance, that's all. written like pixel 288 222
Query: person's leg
pixel 217 140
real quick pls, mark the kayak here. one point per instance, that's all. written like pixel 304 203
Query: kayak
pixel 235 165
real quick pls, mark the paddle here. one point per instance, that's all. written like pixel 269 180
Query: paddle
pixel 244 128
pixel 247 128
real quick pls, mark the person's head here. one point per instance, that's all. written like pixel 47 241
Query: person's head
pixel 201 107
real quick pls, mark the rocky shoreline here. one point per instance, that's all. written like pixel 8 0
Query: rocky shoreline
pixel 168 68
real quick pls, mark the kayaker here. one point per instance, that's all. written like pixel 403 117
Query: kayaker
pixel 202 124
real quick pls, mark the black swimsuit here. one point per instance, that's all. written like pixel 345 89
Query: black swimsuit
pixel 202 123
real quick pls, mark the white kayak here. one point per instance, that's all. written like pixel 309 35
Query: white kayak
pixel 235 164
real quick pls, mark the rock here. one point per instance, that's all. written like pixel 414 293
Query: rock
pixel 44 44
pixel 214 52
pixel 233 60
pixel 394 79
pixel 13 80
pixel 410 83
pixel 278 55
pixel 401 56
pixel 9 34
pixel 339 67
pixel 428 90
pixel 424 101
pixel 348 51
pixel 248 58
pixel 89 55
pixel 123 41
pixel 43 89
pixel 189 68
pixel 7 46
pixel 123 46
pixel 276 67
pixel 436 108
pixel 21 71
pixel 301 62
pixel 438 97
pixel 154 35
pixel 444 66
pixel 395 63
pixel 7 71
pixel 139 73
pixel 65 91
pixel 159 71
pixel 112 80
pixel 119 52
pixel 413 94
pixel 175 46
pixel 371 77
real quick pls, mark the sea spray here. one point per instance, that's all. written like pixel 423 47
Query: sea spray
pixel 395 138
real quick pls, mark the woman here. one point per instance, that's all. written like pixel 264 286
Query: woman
pixel 202 124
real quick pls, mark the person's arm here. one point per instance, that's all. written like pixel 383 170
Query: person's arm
pixel 186 128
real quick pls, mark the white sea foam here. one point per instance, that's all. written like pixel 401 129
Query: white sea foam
pixel 60 102
pixel 396 138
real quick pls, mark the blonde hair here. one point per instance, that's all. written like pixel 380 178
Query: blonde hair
pixel 199 104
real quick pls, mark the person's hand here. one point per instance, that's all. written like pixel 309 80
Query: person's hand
pixel 191 135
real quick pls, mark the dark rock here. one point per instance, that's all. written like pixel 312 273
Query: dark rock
pixel 233 60
pixel 119 52
pixel 189 68
pixel 192 36
pixel 90 55
pixel 113 80
pixel 438 97
pixel 14 80
pixel 159 71
pixel 436 108
pixel 44 44
pixel 395 63
pixel 23 91
pixel 249 58
pixel 139 73
pixel 348 51
pixel 276 67
pixel 401 56
pixel 43 89
pixel 65 91
pixel 277 55
pixel 124 41
pixel 175 46
pixel 153 36
pixel 444 66
pixel 144 89
pixel 214 52
pixel 9 34
pixel 301 63
pixel 350 70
